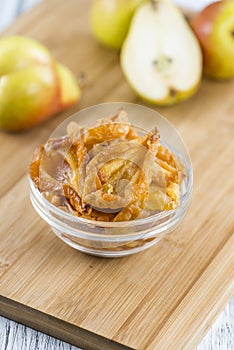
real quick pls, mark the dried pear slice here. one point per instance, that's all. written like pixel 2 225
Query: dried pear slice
pixel 108 172
pixel 35 165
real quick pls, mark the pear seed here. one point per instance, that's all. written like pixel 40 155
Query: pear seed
pixel 162 63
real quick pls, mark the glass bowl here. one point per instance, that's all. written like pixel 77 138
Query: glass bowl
pixel 116 239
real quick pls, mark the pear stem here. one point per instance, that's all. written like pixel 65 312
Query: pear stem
pixel 154 4
pixel 82 79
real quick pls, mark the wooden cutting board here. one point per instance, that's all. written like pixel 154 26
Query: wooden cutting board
pixel 164 298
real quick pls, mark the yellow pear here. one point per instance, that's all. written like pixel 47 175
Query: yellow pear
pixel 28 97
pixel 18 52
pixel 69 89
pixel 110 20
pixel 33 87
pixel 214 27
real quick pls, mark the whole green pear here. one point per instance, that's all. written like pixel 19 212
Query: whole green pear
pixel 33 86
pixel 110 20
pixel 18 53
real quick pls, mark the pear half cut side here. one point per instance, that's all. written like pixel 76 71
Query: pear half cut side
pixel 161 58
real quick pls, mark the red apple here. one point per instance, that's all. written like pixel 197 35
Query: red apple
pixel 214 27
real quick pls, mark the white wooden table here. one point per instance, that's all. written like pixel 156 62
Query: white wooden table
pixel 14 336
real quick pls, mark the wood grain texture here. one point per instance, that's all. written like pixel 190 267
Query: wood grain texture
pixel 167 296
pixel 18 336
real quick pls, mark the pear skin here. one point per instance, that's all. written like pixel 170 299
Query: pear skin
pixel 28 97
pixel 33 87
pixel 19 52
pixel 214 27
pixel 173 98
pixel 110 20
pixel 69 89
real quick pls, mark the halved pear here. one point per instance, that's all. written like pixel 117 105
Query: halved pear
pixel 161 57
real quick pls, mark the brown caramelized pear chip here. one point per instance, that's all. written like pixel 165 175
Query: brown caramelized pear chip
pixel 108 172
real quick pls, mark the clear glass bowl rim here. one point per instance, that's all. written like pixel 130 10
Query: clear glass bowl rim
pixel 60 214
